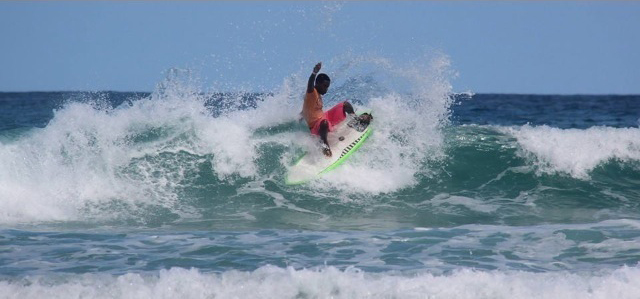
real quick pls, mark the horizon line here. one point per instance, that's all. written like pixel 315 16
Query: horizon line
pixel 453 93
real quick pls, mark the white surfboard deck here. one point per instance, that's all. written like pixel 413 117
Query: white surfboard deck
pixel 343 141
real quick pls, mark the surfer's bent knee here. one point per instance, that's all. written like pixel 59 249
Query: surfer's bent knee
pixel 347 108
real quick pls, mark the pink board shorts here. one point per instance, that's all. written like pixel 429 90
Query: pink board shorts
pixel 334 115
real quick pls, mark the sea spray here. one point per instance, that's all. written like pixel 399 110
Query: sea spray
pixel 140 156
pixel 180 156
pixel 410 105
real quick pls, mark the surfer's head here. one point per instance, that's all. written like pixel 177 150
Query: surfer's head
pixel 322 83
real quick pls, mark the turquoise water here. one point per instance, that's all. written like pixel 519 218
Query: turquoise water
pixel 179 192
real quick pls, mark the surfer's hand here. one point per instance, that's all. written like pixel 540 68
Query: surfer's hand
pixel 326 151
pixel 316 69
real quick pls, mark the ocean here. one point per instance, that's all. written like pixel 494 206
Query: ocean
pixel 179 193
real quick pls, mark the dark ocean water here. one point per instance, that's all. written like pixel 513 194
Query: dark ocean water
pixel 181 193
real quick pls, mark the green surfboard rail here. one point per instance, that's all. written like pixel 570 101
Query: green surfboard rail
pixel 348 154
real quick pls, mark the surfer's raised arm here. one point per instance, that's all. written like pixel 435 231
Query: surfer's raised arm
pixel 312 78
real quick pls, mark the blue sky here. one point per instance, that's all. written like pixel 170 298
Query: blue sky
pixel 494 46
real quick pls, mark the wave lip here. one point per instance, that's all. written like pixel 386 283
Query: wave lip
pixel 576 152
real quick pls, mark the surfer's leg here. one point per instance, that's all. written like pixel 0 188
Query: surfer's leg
pixel 337 114
pixel 347 108
pixel 323 131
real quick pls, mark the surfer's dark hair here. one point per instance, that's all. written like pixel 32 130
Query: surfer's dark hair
pixel 322 77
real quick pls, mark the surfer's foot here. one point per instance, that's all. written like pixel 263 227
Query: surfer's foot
pixel 326 151
pixel 365 118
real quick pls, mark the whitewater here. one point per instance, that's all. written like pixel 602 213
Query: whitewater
pixel 180 192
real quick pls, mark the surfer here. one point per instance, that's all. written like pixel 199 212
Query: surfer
pixel 321 123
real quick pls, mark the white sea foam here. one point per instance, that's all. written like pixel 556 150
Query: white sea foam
pixel 576 152
pixel 329 282
pixel 90 155
pixel 445 201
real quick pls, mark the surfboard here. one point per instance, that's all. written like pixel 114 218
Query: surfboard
pixel 344 140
